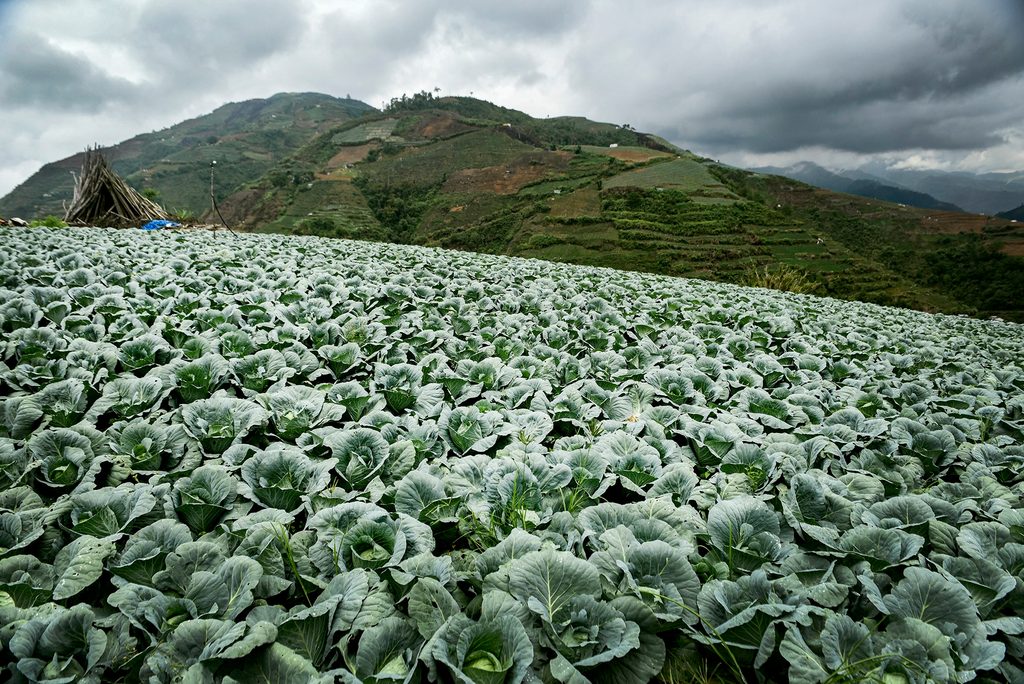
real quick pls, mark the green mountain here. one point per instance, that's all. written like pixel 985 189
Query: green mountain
pixel 467 174
pixel 245 138
pixel 982 193
pixel 1016 214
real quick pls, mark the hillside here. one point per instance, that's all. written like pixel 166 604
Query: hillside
pixel 813 174
pixel 466 174
pixel 245 138
pixel 463 173
pixel 979 193
pixel 983 193
pixel 973 259
pixel 1016 214
pixel 234 458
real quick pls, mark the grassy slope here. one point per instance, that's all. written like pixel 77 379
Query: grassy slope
pixel 246 139
pixel 971 260
pixel 466 174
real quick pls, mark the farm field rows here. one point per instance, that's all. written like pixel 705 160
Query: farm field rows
pixel 459 173
pixel 688 175
pixel 266 458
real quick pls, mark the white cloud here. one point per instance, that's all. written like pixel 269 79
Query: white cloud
pixel 926 81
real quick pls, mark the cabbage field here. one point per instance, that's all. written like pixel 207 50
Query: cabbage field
pixel 240 458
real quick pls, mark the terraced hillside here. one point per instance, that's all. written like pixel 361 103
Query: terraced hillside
pixel 967 258
pixel 461 173
pixel 466 174
pixel 262 458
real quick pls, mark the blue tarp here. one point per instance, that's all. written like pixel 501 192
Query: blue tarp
pixel 161 223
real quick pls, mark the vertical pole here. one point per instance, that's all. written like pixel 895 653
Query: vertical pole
pixel 213 198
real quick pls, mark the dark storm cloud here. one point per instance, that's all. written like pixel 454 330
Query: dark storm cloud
pixel 39 73
pixel 927 99
pixel 935 81
pixel 870 77
pixel 524 18
pixel 207 43
pixel 389 47
pixel 173 53
pixel 872 126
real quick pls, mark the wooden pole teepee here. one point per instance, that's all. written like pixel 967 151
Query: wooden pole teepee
pixel 102 198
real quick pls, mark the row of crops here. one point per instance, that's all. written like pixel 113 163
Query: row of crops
pixel 234 458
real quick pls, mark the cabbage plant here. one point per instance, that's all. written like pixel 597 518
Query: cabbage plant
pixel 236 457
pixel 280 476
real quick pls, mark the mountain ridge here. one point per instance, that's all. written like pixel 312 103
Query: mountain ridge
pixel 865 186
pixel 980 193
pixel 173 161
pixel 462 173
pixel 1015 214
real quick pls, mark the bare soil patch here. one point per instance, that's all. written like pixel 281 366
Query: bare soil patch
pixel 1014 248
pixel 634 155
pixel 951 222
pixel 507 179
pixel 350 155
pixel 442 126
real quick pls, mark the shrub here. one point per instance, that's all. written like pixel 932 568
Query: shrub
pixel 49 221
pixel 318 225
pixel 780 277
pixel 542 240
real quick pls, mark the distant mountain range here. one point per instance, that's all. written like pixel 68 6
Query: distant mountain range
pixel 461 173
pixel 1015 214
pixel 811 173
pixel 978 193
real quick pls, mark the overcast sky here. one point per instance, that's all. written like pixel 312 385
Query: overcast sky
pixel 920 83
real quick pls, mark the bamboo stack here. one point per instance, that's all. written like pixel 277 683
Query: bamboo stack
pixel 102 198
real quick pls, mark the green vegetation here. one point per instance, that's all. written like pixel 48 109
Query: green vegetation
pixel 977 274
pixel 182 215
pixel 431 164
pixel 321 225
pixel 50 221
pixel 399 208
pixel 338 204
pixel 462 173
pixel 974 272
pixel 421 100
pixel 572 130
pixel 235 458
pixel 967 268
pixel 485 184
pixel 246 139
pixel 290 173
pixel 371 130
pixel 686 175
pixel 781 277
pixel 479 111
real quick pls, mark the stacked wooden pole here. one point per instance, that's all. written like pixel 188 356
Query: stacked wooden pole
pixel 102 198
